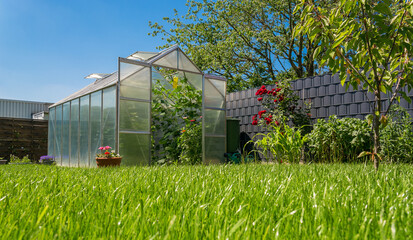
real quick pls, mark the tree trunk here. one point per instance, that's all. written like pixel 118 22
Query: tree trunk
pixel 376 129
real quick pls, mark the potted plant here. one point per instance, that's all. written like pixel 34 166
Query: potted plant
pixel 49 160
pixel 106 158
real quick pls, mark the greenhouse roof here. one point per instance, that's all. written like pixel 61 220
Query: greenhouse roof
pixel 172 57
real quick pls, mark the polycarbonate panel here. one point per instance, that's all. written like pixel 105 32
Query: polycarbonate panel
pixel 169 60
pixel 109 117
pixel 136 84
pixel 95 125
pixel 134 116
pixel 185 64
pixel 220 85
pixel 50 138
pixel 65 134
pixel 158 79
pixel 74 133
pixel 214 121
pixel 194 79
pixel 214 149
pixel 58 134
pixel 127 70
pixel 84 132
pixel 213 97
pixel 134 148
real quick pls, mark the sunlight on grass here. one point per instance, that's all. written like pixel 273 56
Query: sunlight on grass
pixel 214 202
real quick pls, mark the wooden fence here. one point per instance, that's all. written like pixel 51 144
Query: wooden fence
pixel 22 137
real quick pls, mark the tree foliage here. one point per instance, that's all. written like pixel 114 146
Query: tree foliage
pixel 369 43
pixel 249 42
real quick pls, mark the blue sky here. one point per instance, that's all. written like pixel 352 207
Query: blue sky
pixel 47 47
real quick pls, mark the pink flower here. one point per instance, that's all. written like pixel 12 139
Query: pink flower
pixel 101 148
pixel 106 148
pixel 192 120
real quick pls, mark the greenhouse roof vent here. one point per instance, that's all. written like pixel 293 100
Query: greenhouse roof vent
pixel 97 75
pixel 142 56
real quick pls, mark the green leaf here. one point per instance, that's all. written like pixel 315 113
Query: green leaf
pixel 383 8
pixel 363 154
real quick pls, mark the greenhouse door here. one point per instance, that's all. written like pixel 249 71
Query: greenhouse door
pixel 134 112
pixel 214 119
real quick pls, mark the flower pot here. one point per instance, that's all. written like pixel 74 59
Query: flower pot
pixel 108 162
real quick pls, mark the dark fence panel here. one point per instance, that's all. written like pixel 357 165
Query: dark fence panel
pixel 22 137
pixel 325 93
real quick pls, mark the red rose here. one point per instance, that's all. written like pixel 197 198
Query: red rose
pixel 259 99
pixel 192 120
pixel 255 122
pixel 275 100
pixel 278 89
pixel 277 123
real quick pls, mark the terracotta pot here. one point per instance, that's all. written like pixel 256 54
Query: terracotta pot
pixel 108 162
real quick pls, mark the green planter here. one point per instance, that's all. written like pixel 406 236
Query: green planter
pixel 233 132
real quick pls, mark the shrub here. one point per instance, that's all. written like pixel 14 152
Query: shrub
pixel 285 143
pixel 396 138
pixel 339 140
pixel 15 159
pixel 280 105
pixel 175 102
pixel 190 143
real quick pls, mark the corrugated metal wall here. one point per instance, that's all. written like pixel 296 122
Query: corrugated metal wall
pixel 21 109
pixel 327 98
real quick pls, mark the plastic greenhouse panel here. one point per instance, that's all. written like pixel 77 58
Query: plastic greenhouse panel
pixel 214 150
pixel 214 122
pixel 95 125
pixel 134 148
pixel 134 116
pixel 84 131
pixel 169 60
pixel 74 133
pixel 65 134
pixel 213 97
pixel 136 84
pixel 109 117
pixel 194 79
pixel 58 135
pixel 185 64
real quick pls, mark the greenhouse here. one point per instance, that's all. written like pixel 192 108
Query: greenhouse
pixel 157 108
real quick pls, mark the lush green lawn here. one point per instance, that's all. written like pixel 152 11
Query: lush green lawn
pixel 213 202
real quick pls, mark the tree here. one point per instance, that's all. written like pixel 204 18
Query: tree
pixel 369 43
pixel 248 41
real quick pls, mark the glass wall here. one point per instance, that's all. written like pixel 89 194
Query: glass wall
pixel 51 141
pixel 58 135
pixel 134 114
pixel 214 121
pixel 84 131
pixel 74 133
